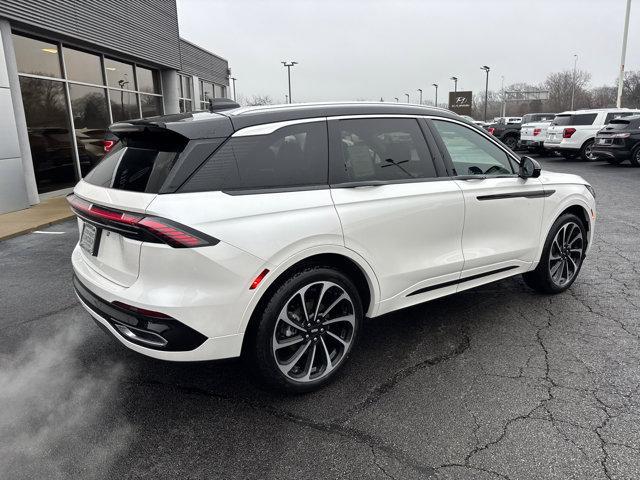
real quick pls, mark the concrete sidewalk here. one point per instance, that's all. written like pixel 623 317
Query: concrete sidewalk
pixel 48 212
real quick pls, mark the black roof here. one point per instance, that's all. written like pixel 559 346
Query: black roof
pixel 224 122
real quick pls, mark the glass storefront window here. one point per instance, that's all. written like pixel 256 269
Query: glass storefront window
pixel 119 74
pixel 124 105
pixel 185 105
pixel 45 108
pixel 90 121
pixel 82 66
pixel 37 57
pixel 151 105
pixel 148 80
pixel 206 90
pixel 185 86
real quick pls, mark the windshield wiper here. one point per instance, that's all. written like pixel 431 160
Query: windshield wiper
pixel 391 161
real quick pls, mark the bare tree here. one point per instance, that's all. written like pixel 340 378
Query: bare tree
pixel 631 90
pixel 560 85
pixel 256 100
pixel 603 97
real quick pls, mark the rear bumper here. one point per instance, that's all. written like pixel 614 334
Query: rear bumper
pixel 620 153
pixel 561 147
pixel 524 143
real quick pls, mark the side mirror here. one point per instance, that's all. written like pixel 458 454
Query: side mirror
pixel 529 168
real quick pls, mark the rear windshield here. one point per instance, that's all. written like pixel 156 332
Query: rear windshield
pixel 537 117
pixel 578 119
pixel 137 165
pixel 618 124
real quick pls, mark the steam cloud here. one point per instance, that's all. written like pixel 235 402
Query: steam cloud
pixel 53 420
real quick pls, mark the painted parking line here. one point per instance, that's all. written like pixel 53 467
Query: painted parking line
pixel 50 233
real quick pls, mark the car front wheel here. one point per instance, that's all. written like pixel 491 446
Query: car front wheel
pixel 306 331
pixel 562 256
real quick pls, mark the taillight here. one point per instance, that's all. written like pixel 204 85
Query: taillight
pixel 567 132
pixel 536 131
pixel 108 145
pixel 491 130
pixel 150 228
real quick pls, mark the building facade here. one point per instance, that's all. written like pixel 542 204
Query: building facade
pixel 68 69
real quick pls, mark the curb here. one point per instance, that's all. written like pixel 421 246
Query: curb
pixel 36 227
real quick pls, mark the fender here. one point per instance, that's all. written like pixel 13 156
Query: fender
pixel 277 270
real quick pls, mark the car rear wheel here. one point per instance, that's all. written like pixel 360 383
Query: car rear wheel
pixel 586 152
pixel 635 157
pixel 306 331
pixel 511 142
pixel 562 256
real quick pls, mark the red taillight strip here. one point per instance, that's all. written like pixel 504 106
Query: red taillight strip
pixel 162 229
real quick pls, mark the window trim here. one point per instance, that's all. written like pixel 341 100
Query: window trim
pixel 447 157
pixel 335 153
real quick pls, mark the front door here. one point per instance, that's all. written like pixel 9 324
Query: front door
pixel 395 212
pixel 503 212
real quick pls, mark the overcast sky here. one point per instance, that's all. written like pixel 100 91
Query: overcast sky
pixel 356 49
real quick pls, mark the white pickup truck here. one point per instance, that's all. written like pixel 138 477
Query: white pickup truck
pixel 534 130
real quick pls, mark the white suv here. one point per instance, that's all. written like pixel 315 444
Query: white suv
pixel 272 232
pixel 572 133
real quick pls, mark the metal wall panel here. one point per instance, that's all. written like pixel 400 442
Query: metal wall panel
pixel 203 64
pixel 143 30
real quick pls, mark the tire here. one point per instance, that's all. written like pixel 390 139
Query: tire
pixel 586 152
pixel 635 157
pixel 321 344
pixel 511 142
pixel 548 277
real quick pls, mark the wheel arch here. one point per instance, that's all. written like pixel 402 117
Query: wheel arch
pixel 343 259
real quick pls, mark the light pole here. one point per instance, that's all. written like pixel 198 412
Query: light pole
pixel 436 85
pixel 504 99
pixel 396 99
pixel 234 88
pixel 573 84
pixel 407 97
pixel 286 98
pixel 455 83
pixel 486 91
pixel 624 52
pixel 420 90
pixel 289 65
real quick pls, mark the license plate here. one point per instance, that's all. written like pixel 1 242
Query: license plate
pixel 90 239
pixel 604 141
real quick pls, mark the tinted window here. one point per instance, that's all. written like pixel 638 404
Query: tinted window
pixel 119 74
pixel 36 57
pixel 82 66
pixel 290 156
pixel 612 115
pixel 471 153
pixel 124 105
pixel 387 149
pixel 151 105
pixel 148 80
pixel 90 120
pixel 578 119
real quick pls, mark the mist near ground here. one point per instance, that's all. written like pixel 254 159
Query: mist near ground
pixel 52 411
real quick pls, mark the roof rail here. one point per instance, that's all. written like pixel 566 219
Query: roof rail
pixel 216 104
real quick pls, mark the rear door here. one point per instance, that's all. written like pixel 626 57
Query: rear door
pixel 394 209
pixel 503 212
pixel 127 179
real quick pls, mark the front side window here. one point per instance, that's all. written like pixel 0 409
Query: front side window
pixel 382 149
pixel 294 156
pixel 471 153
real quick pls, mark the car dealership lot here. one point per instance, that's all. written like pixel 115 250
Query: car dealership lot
pixel 496 382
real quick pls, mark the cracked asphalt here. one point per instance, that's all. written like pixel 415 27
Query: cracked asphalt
pixel 494 383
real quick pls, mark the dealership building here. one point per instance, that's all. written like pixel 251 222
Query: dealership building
pixel 70 68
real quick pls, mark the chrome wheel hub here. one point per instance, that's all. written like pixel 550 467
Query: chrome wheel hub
pixel 567 250
pixel 314 331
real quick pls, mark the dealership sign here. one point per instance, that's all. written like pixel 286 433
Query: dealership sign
pixel 460 102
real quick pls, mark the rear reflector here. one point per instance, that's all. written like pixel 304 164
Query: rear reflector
pixel 258 279
pixel 140 226
pixel 140 311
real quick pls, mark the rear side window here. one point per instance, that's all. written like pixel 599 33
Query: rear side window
pixel 381 149
pixel 293 156
pixel 578 119
pixel 133 168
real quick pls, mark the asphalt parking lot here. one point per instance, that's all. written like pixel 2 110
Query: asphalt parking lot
pixel 496 382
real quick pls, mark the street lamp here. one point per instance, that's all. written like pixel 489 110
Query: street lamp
pixel 573 84
pixel 420 90
pixel 234 88
pixel 486 91
pixel 455 83
pixel 624 52
pixel 436 85
pixel 289 65
pixel 407 97
pixel 396 99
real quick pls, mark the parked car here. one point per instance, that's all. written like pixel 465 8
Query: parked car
pixel 619 141
pixel 534 130
pixel 272 232
pixel 507 132
pixel 572 133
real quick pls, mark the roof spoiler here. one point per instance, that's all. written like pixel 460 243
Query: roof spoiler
pixel 217 104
